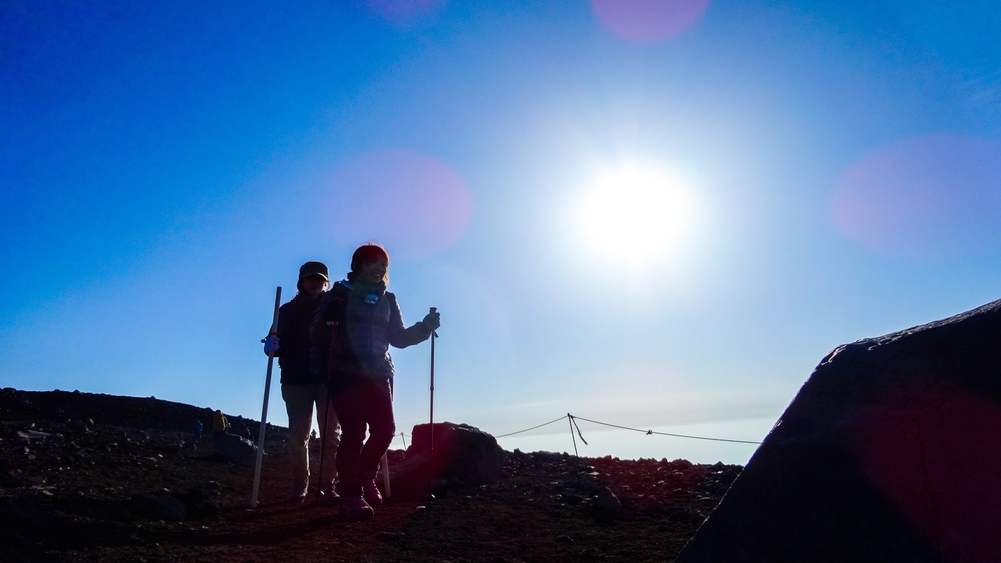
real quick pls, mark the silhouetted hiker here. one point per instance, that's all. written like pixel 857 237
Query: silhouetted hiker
pixel 219 424
pixel 301 388
pixel 362 320
pixel 198 431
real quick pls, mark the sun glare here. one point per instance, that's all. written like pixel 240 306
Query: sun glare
pixel 637 213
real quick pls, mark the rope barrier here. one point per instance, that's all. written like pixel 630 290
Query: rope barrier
pixel 649 432
pixel 572 419
pixel 532 428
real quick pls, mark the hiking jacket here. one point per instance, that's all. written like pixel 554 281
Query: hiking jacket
pixel 219 423
pixel 294 319
pixel 366 320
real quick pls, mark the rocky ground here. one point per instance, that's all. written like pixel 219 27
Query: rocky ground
pixel 74 467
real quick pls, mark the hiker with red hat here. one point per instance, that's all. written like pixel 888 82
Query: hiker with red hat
pixel 354 326
pixel 302 388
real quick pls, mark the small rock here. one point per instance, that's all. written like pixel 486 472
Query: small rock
pixel 235 448
pixel 566 540
pixel 607 501
pixel 652 506
pixel 78 425
pixel 547 456
pixel 36 437
pixel 390 536
pixel 158 507
pixel 583 485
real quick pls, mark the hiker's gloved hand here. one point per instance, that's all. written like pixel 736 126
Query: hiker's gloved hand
pixel 271 344
pixel 432 320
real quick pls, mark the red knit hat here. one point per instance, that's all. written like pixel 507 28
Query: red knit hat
pixel 368 253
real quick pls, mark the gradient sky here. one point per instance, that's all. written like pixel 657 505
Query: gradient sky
pixel 809 173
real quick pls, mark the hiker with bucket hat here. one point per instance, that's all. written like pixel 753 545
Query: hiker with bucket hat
pixel 354 326
pixel 301 388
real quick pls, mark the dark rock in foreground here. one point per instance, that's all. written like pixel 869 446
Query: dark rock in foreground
pixel 891 451
pixel 463 456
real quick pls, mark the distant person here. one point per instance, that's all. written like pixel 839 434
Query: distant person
pixel 365 319
pixel 198 431
pixel 219 424
pixel 302 389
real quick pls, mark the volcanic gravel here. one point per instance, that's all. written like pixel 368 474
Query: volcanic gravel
pixel 71 464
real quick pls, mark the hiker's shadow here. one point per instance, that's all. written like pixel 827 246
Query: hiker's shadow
pixel 269 536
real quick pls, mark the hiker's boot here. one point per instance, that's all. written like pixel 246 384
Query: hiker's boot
pixel 296 496
pixel 371 491
pixel 329 496
pixel 355 508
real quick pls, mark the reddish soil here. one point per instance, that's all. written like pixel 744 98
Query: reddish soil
pixel 67 498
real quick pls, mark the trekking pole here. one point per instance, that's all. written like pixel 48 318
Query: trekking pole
pixel 264 409
pixel 323 443
pixel 434 335
pixel 385 474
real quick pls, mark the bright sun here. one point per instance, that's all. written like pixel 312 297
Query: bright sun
pixel 637 212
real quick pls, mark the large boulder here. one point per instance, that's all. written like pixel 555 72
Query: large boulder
pixel 891 451
pixel 237 449
pixel 463 456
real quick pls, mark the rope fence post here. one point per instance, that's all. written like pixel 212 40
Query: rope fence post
pixel 572 437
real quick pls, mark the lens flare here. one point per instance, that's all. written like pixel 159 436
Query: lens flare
pixel 932 453
pixel 649 21
pixel 937 196
pixel 638 212
pixel 410 202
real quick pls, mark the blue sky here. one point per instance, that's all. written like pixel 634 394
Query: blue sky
pixel 811 173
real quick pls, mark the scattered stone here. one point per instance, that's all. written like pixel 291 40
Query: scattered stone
pixel 390 537
pixel 547 456
pixel 158 506
pixel 36 437
pixel 607 502
pixel 78 425
pixel 586 486
pixel 237 449
pixel 198 505
pixel 652 506
pixel 566 540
